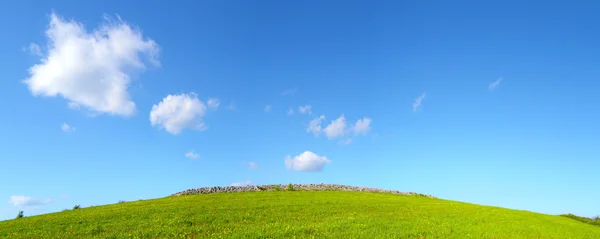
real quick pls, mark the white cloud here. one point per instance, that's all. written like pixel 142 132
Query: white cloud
pixel 91 69
pixel 290 111
pixel 252 165
pixel 336 129
pixel 315 125
pixel 213 103
pixel 67 128
pixel 35 49
pixel 495 84
pixel 177 112
pixel 362 126
pixel 268 108
pixel 245 183
pixel 306 162
pixel 25 201
pixel 307 109
pixel 418 102
pixel 192 155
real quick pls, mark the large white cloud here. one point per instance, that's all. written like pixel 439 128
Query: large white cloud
pixel 91 69
pixel 306 162
pixel 26 201
pixel 177 112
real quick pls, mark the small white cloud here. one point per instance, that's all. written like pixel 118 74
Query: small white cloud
pixel 495 84
pixel 336 129
pixel 268 108
pixel 239 184
pixel 34 49
pixel 25 201
pixel 418 102
pixel 306 162
pixel 177 112
pixel 315 125
pixel 307 109
pixel 67 128
pixel 91 69
pixel 192 155
pixel 213 103
pixel 290 111
pixel 252 165
pixel 362 126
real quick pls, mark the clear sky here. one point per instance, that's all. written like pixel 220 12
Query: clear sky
pixel 488 103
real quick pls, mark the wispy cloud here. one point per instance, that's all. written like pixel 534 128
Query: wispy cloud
pixel 213 103
pixel 290 111
pixel 245 183
pixel 346 141
pixel 418 101
pixel 315 125
pixel 67 128
pixel 26 201
pixel 34 49
pixel 191 155
pixel 268 108
pixel 231 106
pixel 307 109
pixel 495 84
pixel 73 106
pixel 289 92
pixel 252 165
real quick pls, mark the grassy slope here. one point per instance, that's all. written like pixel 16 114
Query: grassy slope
pixel 299 213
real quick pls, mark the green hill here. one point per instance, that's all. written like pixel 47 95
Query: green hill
pixel 299 214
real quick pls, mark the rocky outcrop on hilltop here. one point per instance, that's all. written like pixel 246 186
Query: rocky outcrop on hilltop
pixel 295 187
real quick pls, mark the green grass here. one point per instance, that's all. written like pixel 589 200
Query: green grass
pixel 593 221
pixel 296 214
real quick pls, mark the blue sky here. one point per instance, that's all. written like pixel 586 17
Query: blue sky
pixel 131 100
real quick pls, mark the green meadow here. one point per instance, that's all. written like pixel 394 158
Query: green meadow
pixel 296 214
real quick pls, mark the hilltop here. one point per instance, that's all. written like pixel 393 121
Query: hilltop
pixel 292 187
pixel 275 211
